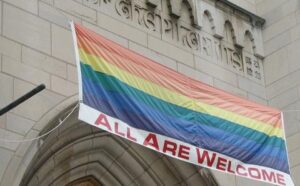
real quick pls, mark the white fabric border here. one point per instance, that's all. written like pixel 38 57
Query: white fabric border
pixel 90 115
pixel 77 59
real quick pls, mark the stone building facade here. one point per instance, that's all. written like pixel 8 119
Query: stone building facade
pixel 220 42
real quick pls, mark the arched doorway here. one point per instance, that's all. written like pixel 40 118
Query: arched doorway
pixel 85 181
pixel 77 154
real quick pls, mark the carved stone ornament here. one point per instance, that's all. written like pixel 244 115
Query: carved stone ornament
pixel 175 10
pixel 153 3
pixel 96 2
pixel 124 9
pixel 223 50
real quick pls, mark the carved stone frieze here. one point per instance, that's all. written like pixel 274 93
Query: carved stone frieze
pixel 175 7
pixel 253 67
pixel 190 38
pixel 149 19
pixel 170 30
pixel 95 3
pixel 153 3
pixel 204 43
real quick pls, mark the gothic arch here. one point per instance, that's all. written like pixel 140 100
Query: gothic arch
pixel 78 151
pixel 192 5
pixel 229 33
pixel 207 15
pixel 249 43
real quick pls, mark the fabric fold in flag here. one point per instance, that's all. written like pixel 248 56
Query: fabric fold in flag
pixel 138 99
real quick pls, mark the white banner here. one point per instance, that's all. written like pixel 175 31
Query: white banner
pixel 181 150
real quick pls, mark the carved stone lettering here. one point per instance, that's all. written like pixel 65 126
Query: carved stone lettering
pixel 257 69
pixel 257 75
pixel 190 38
pixel 249 66
pixel 237 60
pixel 124 9
pixel 95 3
pixel 252 64
pixel 153 3
pixel 149 19
pixel 217 49
pixel 170 29
pixel 207 46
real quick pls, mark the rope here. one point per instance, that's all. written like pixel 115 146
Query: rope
pixel 41 136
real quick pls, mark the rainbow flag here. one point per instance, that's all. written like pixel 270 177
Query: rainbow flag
pixel 138 99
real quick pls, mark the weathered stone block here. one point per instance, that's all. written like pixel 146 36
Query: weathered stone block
pixel 44 62
pixel 62 44
pixel 276 66
pixel 4 160
pixel 10 48
pixel 277 42
pixel 195 179
pixel 155 56
pixel 285 98
pixel 295 31
pixel 227 179
pixel 283 84
pixel 291 122
pixel 3 121
pixel 12 168
pixel 163 170
pixel 285 9
pixel 25 72
pixel 8 135
pixel 216 71
pixel 37 106
pixel 195 74
pixel 76 9
pixel 53 15
pixel 0 17
pixel 265 6
pixel 279 27
pixel 18 124
pixel 246 4
pixel 28 5
pixel 257 99
pixel 170 51
pixel 50 2
pixel 293 142
pixel 63 86
pixel 259 45
pixel 122 29
pixel 107 34
pixel 229 88
pixel 298 16
pixel 240 181
pixel 294 158
pixel 72 73
pixel 6 90
pixel 252 87
pixel 293 56
pixel 26 28
pixel 22 149
pixel 295 174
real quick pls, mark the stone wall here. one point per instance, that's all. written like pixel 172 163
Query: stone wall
pixel 205 40
pixel 281 36
pixel 249 5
